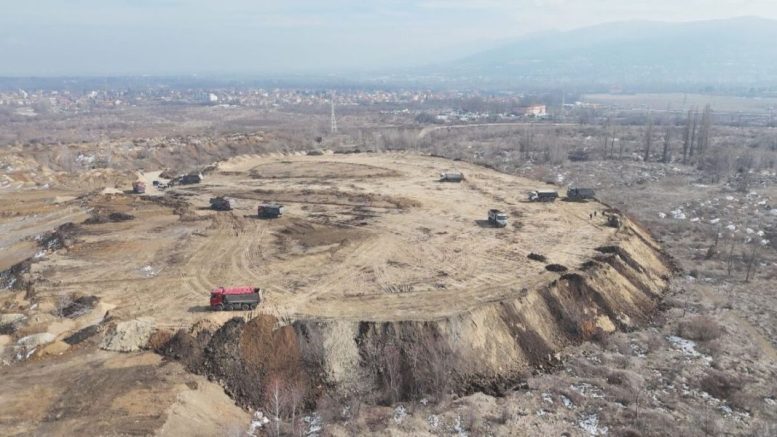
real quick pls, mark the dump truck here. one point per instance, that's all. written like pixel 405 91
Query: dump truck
pixel 497 218
pixel 543 196
pixel 614 220
pixel 451 176
pixel 138 187
pixel 191 178
pixel 580 194
pixel 221 203
pixel 269 210
pixel 235 298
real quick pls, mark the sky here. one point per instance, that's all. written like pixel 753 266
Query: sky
pixel 159 37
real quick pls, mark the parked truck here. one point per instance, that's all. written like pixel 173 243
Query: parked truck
pixel 221 203
pixel 191 178
pixel 138 187
pixel 580 194
pixel 497 218
pixel 269 210
pixel 235 298
pixel 543 196
pixel 451 176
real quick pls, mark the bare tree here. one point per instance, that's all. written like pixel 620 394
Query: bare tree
pixel 648 137
pixel 751 261
pixel 275 402
pixel 694 124
pixel 607 129
pixel 667 139
pixel 730 257
pixel 687 137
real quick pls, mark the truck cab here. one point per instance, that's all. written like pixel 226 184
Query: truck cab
pixel 497 218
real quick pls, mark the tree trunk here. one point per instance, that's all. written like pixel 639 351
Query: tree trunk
pixel 648 137
pixel 667 139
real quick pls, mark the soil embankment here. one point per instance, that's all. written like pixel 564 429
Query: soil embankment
pixel 487 347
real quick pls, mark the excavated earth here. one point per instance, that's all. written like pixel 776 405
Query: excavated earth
pixel 378 278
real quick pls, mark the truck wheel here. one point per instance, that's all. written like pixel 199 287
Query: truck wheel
pixel 232 307
pixel 219 307
pixel 246 307
pixel 253 306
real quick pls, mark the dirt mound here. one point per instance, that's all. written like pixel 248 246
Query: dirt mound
pixel 80 306
pixel 129 336
pixel 108 217
pixel 60 238
pixel 16 277
pixel 245 357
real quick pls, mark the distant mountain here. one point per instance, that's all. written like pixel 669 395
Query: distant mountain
pixel 720 53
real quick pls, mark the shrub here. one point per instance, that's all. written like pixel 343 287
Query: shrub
pixel 700 328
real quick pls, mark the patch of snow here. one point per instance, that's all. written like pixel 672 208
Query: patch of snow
pixel 400 413
pixel 567 402
pixel 661 215
pixel 731 228
pixel 590 424
pixel 546 397
pixel 148 272
pixel 771 402
pixel 433 421
pixel 257 422
pixel 314 425
pixel 678 214
pixel 588 390
pixel 688 347
pixel 458 429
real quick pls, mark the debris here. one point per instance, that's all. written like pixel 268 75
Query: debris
pixel 129 336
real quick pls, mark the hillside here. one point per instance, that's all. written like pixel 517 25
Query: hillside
pixel 733 52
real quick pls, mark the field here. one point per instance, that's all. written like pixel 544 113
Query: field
pixel 389 286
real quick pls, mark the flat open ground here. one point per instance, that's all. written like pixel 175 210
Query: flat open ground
pixel 363 237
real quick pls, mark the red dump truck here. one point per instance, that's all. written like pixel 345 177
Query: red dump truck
pixel 139 187
pixel 235 298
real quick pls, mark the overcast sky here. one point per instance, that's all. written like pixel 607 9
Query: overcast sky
pixel 73 37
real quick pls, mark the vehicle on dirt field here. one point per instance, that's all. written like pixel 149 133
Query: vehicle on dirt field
pixel 543 196
pixel 221 203
pixel 497 218
pixel 191 178
pixel 451 176
pixel 269 210
pixel 138 187
pixel 580 194
pixel 235 298
pixel 614 220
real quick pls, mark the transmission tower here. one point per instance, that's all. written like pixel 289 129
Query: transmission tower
pixel 334 119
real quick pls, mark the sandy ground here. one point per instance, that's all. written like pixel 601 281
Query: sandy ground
pixel 404 245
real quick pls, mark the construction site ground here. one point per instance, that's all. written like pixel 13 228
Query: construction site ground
pixel 363 236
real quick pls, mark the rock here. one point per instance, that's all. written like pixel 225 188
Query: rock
pixel 35 340
pixel 129 336
pixel 9 319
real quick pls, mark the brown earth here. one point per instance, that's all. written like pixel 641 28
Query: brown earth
pixel 374 259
